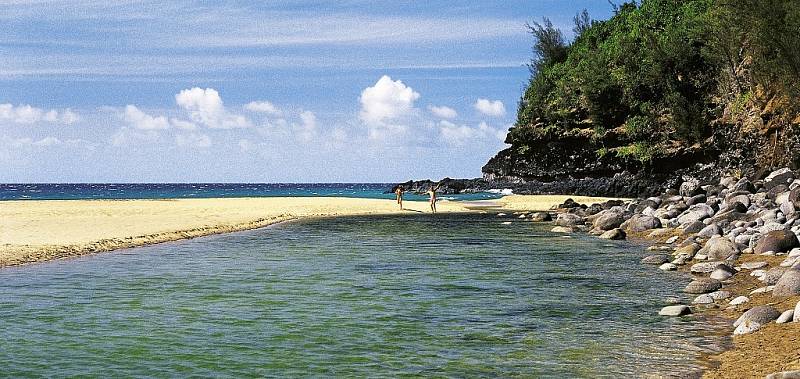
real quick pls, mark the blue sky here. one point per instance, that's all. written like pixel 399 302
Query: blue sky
pixel 251 91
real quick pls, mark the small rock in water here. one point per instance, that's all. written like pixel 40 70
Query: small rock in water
pixel 613 234
pixel 562 229
pixel 703 299
pixel 541 217
pixel 739 300
pixel 501 215
pixel 668 267
pixel 785 317
pixel 657 259
pixel 672 300
pixel 675 310
pixel 507 223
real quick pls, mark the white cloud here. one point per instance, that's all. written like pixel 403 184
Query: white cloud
pixel 263 107
pixel 193 140
pixel 26 114
pixel 490 108
pixel 443 111
pixel 205 106
pixel 387 100
pixel 182 124
pixel 140 120
pixel 307 128
pixel 245 145
pixel 462 135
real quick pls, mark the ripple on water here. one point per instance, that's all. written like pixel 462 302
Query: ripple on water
pixel 381 296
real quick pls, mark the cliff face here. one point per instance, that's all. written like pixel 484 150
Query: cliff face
pixel 661 91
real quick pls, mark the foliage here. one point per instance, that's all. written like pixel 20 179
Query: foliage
pixel 653 72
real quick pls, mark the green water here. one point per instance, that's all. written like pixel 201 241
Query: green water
pixel 443 296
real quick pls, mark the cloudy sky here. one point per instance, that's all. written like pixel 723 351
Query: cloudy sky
pixel 252 91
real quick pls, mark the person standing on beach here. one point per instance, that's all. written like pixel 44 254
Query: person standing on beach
pixel 399 193
pixel 432 193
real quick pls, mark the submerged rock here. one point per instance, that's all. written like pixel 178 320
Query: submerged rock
pixel 541 217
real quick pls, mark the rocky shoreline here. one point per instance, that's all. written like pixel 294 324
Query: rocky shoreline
pixel 739 240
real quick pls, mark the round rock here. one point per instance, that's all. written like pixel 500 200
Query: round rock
pixel 788 284
pixel 675 310
pixel 703 285
pixel 656 259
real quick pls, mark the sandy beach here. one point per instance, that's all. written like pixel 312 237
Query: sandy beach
pixel 41 230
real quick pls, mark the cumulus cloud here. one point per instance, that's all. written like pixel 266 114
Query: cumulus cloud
pixel 461 135
pixel 205 106
pixel 387 100
pixel 182 124
pixel 263 107
pixel 143 121
pixel 193 140
pixel 26 114
pixel 443 111
pixel 490 108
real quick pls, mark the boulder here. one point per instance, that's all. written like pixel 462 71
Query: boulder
pixel 753 265
pixel 739 300
pixel 782 176
pixel 754 319
pixel 675 310
pixel 785 317
pixel 613 234
pixel 693 227
pixel 697 199
pixel 744 185
pixel 722 272
pixel 562 229
pixel 778 241
pixel 702 285
pixel 608 220
pixel 668 267
pixel 641 223
pixel 710 231
pixel 569 219
pixel 697 212
pixel 704 267
pixel 737 197
pixel 687 251
pixel 784 375
pixel 719 248
pixel 541 217
pixel 788 284
pixel 656 259
pixel 772 276
pixel 690 187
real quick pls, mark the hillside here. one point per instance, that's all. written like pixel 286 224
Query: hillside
pixel 663 89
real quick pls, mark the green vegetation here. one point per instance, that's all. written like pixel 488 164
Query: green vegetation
pixel 657 73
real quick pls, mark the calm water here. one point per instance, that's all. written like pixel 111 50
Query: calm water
pixel 69 191
pixel 445 296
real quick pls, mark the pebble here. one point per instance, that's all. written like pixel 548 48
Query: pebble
pixel 762 290
pixel 753 265
pixel 739 300
pixel 785 317
pixel 672 239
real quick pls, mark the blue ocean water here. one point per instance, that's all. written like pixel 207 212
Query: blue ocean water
pixel 72 191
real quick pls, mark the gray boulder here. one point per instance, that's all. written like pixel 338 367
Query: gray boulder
pixel 702 285
pixel 690 187
pixel 722 272
pixel 704 267
pixel 755 318
pixel 541 217
pixel 782 176
pixel 641 223
pixel 608 220
pixel 788 284
pixel 719 248
pixel 569 219
pixel 772 275
pixel 710 231
pixel 675 310
pixel 656 259
pixel 613 234
pixel 784 375
pixel 697 212
pixel 778 241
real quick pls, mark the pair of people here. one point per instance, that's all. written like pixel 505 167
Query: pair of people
pixel 431 192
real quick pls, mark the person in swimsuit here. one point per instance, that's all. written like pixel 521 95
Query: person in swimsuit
pixel 399 193
pixel 432 193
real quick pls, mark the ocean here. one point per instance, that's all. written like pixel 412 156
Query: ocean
pixel 424 295
pixel 72 191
